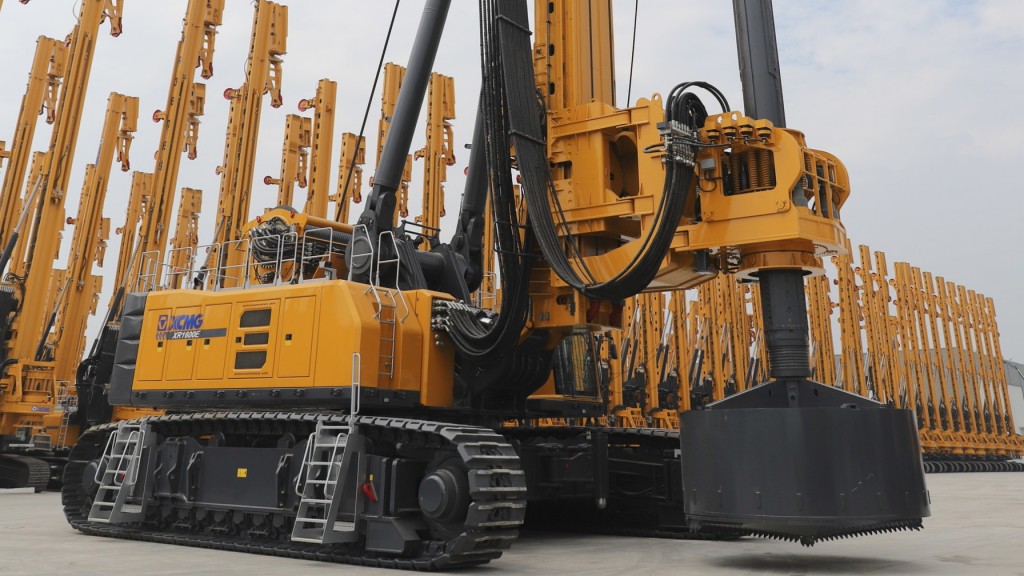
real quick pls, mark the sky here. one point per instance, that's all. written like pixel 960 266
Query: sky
pixel 916 97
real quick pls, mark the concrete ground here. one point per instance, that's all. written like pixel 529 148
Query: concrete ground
pixel 977 527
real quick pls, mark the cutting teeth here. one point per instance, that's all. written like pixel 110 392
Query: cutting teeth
pixel 853 532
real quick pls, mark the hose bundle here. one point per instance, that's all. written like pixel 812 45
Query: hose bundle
pixel 683 109
pixel 514 116
pixel 273 243
pixel 479 336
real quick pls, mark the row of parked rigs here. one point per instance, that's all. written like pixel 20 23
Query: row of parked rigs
pixel 316 389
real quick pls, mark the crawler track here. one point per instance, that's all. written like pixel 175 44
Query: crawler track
pixel 497 491
pixel 20 471
pixel 940 466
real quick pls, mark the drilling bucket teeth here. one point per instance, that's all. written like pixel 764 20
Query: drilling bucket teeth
pixel 804 462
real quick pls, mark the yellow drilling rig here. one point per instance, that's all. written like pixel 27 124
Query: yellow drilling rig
pixel 332 394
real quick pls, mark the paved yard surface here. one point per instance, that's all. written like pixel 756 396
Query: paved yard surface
pixel 977 527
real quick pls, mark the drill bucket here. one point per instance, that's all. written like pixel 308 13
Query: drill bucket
pixel 802 461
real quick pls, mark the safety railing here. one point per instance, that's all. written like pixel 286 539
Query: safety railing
pixel 276 259
pixel 315 259
pixel 486 297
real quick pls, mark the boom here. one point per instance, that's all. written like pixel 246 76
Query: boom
pixel 186 234
pixel 127 254
pixel 35 296
pixel 393 77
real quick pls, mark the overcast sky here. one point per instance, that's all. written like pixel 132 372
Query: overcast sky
pixel 918 97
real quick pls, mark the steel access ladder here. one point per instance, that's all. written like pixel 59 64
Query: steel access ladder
pixel 117 475
pixel 68 404
pixel 387 301
pixel 332 454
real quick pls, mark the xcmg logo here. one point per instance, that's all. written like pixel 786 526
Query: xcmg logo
pixel 184 327
pixel 168 322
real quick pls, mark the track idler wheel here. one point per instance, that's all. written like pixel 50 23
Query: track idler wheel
pixel 444 497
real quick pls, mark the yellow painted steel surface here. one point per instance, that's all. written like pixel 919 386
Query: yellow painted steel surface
pixel 30 387
pixel 49 212
pixel 766 199
pixel 292 337
pixel 73 293
pixel 128 256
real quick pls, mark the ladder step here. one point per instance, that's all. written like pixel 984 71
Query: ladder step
pixel 501 504
pixel 493 471
pixel 308 540
pixel 499 489
pixel 315 501
pixel 311 520
pixel 324 482
pixel 501 523
pixel 489 457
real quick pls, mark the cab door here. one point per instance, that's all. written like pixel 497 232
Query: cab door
pixel 296 336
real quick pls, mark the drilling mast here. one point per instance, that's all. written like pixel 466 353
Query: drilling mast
pixel 180 131
pixel 127 257
pixel 350 175
pixel 88 243
pixel 393 77
pixel 437 153
pixel 298 136
pixel 186 235
pixel 40 97
pixel 49 210
pixel 262 76
pixel 323 104
pixel 29 416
